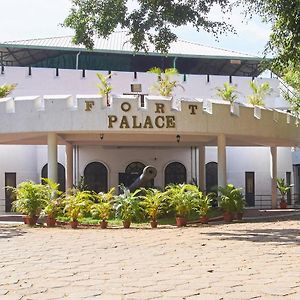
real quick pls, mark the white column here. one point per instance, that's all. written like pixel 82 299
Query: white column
pixel 52 156
pixel 273 171
pixel 201 161
pixel 69 166
pixel 222 180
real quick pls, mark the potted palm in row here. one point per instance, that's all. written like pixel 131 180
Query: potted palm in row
pixel 231 201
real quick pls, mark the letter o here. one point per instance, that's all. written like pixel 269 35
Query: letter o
pixel 125 106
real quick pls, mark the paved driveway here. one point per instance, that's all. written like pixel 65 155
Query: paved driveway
pixel 236 261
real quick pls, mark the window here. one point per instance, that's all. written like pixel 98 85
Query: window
pixel 60 175
pixel 175 172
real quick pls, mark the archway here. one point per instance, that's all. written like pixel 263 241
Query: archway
pixel 61 175
pixel 95 177
pixel 175 172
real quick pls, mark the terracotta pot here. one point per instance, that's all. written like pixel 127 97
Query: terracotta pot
pixel 74 224
pixel 50 221
pixel 239 216
pixel 126 223
pixel 25 219
pixel 181 221
pixel 153 223
pixel 103 224
pixel 228 216
pixel 204 219
pixel 30 220
pixel 283 204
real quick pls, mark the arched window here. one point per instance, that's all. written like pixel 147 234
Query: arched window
pixel 61 177
pixel 95 177
pixel 175 172
pixel 135 168
pixel 211 173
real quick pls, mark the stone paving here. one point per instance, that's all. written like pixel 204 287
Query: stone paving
pixel 234 261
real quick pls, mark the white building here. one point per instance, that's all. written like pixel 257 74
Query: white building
pixel 56 117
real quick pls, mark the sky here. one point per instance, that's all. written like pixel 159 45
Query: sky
pixel 29 19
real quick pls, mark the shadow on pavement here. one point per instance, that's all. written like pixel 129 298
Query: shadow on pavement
pixel 8 232
pixel 275 236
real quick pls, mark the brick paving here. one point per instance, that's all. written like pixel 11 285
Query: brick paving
pixel 220 261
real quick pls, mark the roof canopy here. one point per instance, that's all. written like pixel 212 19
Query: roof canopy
pixel 190 58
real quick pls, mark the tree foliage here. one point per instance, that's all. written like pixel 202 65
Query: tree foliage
pixel 284 42
pixel 149 20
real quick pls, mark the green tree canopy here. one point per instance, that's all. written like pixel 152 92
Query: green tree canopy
pixel 149 20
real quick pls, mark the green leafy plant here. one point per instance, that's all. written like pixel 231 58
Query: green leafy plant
pixel 31 198
pixel 283 188
pixel 164 85
pixel 127 205
pixel 77 203
pixel 203 203
pixel 259 93
pixel 5 89
pixel 153 202
pixel 103 208
pixel 182 198
pixel 54 198
pixel 229 196
pixel 104 86
pixel 228 92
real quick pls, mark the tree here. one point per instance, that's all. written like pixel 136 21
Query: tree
pixel 284 43
pixel 149 20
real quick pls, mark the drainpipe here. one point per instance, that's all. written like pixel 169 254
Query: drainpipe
pixel 77 59
pixel 174 62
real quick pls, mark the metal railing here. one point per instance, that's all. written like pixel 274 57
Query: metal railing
pixel 265 201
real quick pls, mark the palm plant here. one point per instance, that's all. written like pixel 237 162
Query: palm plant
pixel 77 203
pixel 127 206
pixel 182 198
pixel 283 189
pixel 31 198
pixel 203 203
pixel 259 93
pixel 5 89
pixel 227 92
pixel 154 203
pixel 104 86
pixel 164 85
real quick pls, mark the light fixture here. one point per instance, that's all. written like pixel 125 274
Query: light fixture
pixel 178 138
pixel 101 136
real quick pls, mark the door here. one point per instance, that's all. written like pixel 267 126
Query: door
pixel 250 188
pixel 10 180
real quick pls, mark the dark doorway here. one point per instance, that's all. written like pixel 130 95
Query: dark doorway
pixel 95 177
pixel 250 188
pixel 10 180
pixel 61 176
pixel 175 173
pixel 211 175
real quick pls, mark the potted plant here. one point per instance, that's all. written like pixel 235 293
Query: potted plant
pixel 76 204
pixel 259 93
pixel 154 203
pixel 103 208
pixel 127 206
pixel 104 86
pixel 164 85
pixel 6 89
pixel 203 205
pixel 228 92
pixel 30 200
pixel 227 201
pixel 182 200
pixel 239 204
pixel 283 190
pixel 53 201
